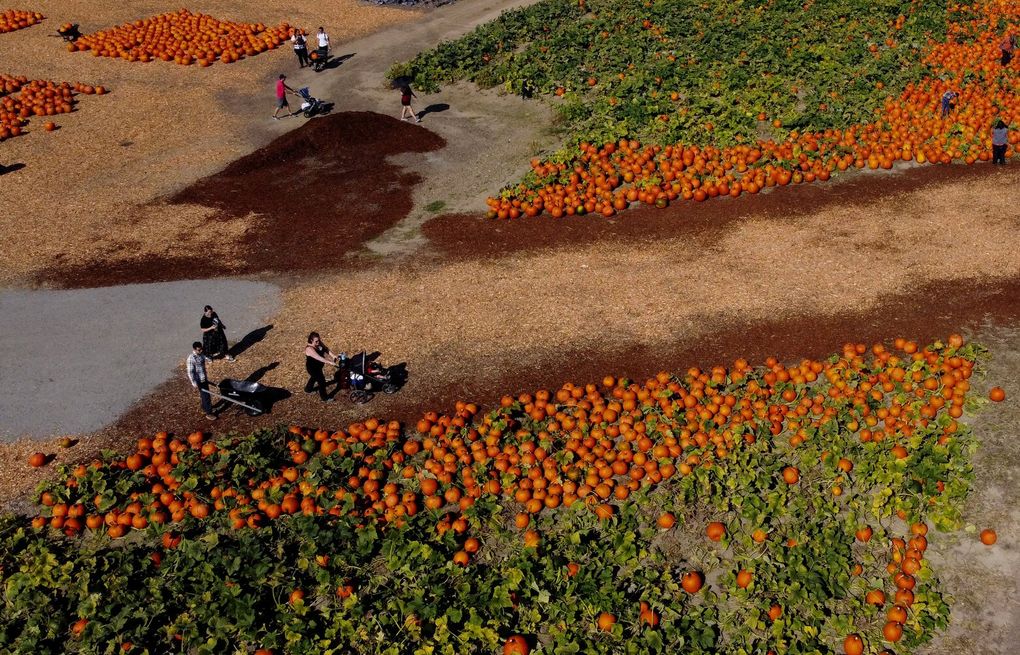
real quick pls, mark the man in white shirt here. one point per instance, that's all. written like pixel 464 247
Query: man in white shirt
pixel 323 39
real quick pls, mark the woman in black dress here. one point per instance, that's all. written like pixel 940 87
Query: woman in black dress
pixel 317 355
pixel 214 335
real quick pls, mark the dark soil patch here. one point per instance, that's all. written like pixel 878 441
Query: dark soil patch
pixel 927 313
pixel 320 192
pixel 469 235
pixel 137 269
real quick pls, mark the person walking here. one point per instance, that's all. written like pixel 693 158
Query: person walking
pixel 317 355
pixel 198 378
pixel 1000 141
pixel 407 111
pixel 300 47
pixel 949 102
pixel 1007 46
pixel 214 335
pixel 281 96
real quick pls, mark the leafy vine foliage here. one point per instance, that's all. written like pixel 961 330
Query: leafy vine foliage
pixel 740 509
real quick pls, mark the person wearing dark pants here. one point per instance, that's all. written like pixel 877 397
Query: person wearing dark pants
pixel 949 102
pixel 214 335
pixel 199 379
pixel 1000 141
pixel 300 48
pixel 1007 47
pixel 317 355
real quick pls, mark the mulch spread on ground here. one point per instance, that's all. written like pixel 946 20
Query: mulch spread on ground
pixel 319 192
pixel 923 314
pixel 468 235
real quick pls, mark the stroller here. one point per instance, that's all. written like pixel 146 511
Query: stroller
pixel 243 393
pixel 320 57
pixel 309 105
pixel 368 377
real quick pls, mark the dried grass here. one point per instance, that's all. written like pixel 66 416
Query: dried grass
pixel 162 126
pixel 489 316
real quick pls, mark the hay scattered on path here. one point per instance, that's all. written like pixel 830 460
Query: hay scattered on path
pixel 163 125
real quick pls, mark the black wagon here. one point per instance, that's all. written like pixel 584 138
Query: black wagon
pixel 248 395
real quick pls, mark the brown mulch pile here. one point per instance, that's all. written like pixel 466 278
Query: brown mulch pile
pixel 304 201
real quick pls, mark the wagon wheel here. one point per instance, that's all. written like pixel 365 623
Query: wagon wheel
pixel 390 388
pixel 360 396
pixel 257 408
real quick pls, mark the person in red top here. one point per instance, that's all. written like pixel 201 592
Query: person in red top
pixel 1007 46
pixel 281 96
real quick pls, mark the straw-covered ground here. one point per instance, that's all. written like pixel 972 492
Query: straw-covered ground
pixel 85 191
pixel 478 310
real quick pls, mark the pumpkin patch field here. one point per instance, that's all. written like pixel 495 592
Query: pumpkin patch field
pixel 184 38
pixel 745 509
pixel 664 101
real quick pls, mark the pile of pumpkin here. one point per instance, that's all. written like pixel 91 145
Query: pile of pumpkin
pixel 16 19
pixel 22 99
pixel 184 38
pixel 906 128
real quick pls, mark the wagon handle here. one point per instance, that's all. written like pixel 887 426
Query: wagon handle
pixel 231 400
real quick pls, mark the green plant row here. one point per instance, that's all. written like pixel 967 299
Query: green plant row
pixel 372 587
pixel 714 71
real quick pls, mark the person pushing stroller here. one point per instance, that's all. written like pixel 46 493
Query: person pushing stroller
pixel 317 355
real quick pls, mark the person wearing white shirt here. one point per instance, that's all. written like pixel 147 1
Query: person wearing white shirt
pixel 323 38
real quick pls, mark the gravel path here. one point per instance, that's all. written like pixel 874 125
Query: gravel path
pixel 73 361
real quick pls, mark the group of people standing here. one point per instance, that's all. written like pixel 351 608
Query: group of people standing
pixel 214 346
pixel 300 42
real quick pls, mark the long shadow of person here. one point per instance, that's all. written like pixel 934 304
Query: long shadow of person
pixel 433 109
pixel 336 62
pixel 270 395
pixel 250 339
pixel 398 375
pixel 265 396
pixel 273 395
pixel 259 373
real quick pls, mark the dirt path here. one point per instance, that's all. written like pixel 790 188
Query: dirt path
pixel 165 126
pixel 982 579
pixel 73 361
pixel 796 285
